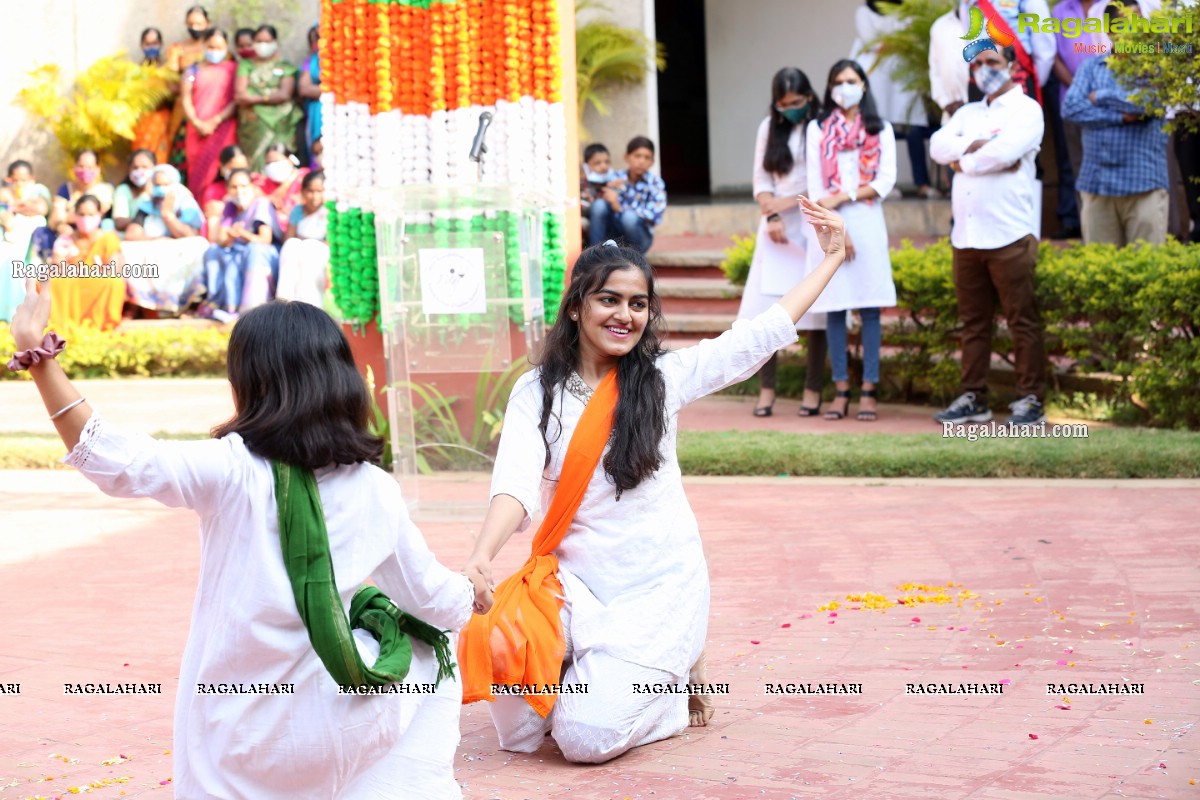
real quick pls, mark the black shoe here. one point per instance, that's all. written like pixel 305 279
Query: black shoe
pixel 965 409
pixel 833 413
pixel 1027 411
pixel 765 411
pixel 1067 233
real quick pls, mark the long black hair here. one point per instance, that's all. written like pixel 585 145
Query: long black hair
pixel 866 106
pixel 778 159
pixel 639 422
pixel 298 396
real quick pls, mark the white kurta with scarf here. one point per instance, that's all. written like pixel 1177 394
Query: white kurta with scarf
pixel 245 629
pixel 865 282
pixel 776 267
pixel 633 570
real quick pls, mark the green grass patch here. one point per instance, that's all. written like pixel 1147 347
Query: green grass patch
pixel 1107 453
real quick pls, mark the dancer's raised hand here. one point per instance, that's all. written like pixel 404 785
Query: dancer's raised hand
pixel 829 226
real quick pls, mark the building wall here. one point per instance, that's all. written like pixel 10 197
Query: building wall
pixel 748 42
pixel 74 33
pixel 634 109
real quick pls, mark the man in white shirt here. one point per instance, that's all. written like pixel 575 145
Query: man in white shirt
pixel 991 146
pixel 949 78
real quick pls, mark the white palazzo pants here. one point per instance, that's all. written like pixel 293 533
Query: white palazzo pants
pixel 608 720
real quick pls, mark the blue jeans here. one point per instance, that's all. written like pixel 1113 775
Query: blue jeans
pixel 872 341
pixel 242 273
pixel 607 224
pixel 1068 203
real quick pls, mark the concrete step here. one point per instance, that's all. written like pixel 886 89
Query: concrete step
pixel 701 263
pixel 698 296
pixel 911 217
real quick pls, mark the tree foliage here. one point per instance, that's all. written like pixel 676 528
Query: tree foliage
pixel 100 110
pixel 1162 81
pixel 608 56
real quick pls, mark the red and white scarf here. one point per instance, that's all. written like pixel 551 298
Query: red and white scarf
pixel 839 135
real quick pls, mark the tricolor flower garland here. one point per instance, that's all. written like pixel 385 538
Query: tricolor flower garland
pixel 405 82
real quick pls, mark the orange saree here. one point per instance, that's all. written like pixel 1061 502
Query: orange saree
pixel 520 641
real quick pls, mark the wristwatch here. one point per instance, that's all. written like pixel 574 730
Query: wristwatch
pixel 773 218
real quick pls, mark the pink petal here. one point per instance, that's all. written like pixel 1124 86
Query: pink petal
pixel 916 619
pixel 1062 662
pixel 806 616
pixel 754 641
pixel 786 625
pixel 1033 736
pixel 833 613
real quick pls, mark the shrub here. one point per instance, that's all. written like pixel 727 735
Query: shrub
pixel 148 352
pixel 738 256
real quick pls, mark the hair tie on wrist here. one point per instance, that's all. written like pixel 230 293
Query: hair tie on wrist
pixel 51 346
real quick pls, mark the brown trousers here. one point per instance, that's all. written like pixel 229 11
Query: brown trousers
pixel 980 276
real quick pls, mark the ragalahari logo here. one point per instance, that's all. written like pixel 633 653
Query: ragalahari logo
pixel 996 38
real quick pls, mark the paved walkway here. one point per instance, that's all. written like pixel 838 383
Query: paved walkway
pixel 1083 582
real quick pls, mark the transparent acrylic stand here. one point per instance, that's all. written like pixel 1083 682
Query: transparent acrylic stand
pixel 460 291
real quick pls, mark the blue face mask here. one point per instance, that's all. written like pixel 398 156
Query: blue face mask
pixel 158 192
pixel 214 56
pixel 151 53
pixel 598 177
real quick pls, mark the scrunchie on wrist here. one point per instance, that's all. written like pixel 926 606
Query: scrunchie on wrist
pixel 51 346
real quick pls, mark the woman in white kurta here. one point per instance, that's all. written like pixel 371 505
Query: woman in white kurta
pixel 631 565
pixel 782 244
pixel 245 630
pixel 851 157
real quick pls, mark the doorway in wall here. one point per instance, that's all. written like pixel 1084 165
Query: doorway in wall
pixel 683 99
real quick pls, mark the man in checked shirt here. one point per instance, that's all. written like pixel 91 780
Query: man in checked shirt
pixel 1124 179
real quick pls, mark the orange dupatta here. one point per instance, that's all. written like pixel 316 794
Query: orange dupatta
pixel 520 641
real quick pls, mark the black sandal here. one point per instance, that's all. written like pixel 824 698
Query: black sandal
pixel 765 411
pixel 867 416
pixel 834 413
pixel 806 411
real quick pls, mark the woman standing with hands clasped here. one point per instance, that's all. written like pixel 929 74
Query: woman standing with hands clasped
pixel 784 238
pixel 851 155
pixel 615 592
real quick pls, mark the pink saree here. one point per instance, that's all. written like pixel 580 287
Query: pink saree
pixel 212 90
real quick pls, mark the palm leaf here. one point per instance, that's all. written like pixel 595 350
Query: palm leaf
pixel 608 56
pixel 909 45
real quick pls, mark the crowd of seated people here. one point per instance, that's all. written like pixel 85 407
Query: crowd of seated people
pixel 222 177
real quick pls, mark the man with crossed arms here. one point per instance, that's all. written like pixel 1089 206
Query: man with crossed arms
pixel 991 145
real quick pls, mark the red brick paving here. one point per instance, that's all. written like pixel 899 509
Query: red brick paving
pixel 1100 575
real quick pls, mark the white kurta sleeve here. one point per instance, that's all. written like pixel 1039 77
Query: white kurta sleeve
pixel 763 180
pixel 521 458
pixel 812 161
pixel 885 178
pixel 417 582
pixel 693 372
pixel 191 475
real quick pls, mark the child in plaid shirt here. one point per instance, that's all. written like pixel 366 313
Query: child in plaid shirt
pixel 633 204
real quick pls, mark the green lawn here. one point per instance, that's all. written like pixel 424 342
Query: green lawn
pixel 1106 453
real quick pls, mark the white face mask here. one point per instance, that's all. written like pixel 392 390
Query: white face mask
pixel 278 171
pixel 265 49
pixel 243 197
pixel 847 95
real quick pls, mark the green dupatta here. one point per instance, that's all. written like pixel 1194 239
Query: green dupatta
pixel 305 542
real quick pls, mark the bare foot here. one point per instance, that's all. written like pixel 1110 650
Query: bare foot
pixel 700 706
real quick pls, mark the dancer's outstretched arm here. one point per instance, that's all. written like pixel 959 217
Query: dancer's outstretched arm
pixel 831 235
pixel 504 516
pixel 28 329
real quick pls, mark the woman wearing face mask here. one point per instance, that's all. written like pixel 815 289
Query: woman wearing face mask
pixel 851 155
pixel 180 57
pixel 135 187
pixel 153 129
pixel 212 202
pixel 240 265
pixel 89 300
pixel 208 102
pixel 267 114
pixel 243 43
pixel 282 178
pixel 310 91
pixel 166 231
pixel 86 179
pixel 781 249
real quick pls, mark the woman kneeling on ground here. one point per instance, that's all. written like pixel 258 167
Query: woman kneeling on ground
pixel 616 590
